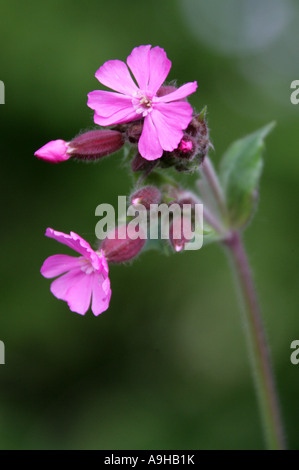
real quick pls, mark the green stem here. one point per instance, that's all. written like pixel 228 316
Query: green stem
pixel 210 174
pixel 257 344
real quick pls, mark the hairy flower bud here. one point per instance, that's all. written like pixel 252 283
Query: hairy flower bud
pixel 146 196
pixel 180 233
pixel 93 145
pixel 187 148
pixel 88 146
pixel 193 147
pixel 183 197
pixel 118 247
pixel 141 164
pixel 134 131
pixel 198 126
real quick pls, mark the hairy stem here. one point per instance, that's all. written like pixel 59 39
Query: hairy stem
pixel 209 173
pixel 257 344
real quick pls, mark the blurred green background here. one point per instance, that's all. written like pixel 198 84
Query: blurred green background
pixel 166 366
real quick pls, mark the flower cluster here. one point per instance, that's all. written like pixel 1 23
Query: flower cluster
pixel 157 123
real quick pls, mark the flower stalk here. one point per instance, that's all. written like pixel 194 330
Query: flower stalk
pixel 257 345
pixel 255 333
pixel 209 173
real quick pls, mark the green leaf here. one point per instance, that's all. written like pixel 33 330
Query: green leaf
pixel 240 171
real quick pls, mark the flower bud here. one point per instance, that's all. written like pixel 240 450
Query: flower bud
pixel 88 146
pixel 141 164
pixel 134 131
pixel 185 199
pixel 180 233
pixel 146 196
pixel 93 145
pixel 54 151
pixel 118 247
pixel 187 148
pixel 198 126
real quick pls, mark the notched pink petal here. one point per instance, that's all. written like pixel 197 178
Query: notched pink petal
pixel 121 116
pixel 177 113
pixel 59 264
pixel 78 296
pixel 62 284
pixel 106 103
pixel 101 294
pixel 169 136
pixel 179 94
pixel 139 63
pixel 159 68
pixel 149 146
pixel 73 240
pixel 105 266
pixel 115 74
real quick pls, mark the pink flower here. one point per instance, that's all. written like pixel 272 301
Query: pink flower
pixel 54 151
pixel 84 277
pixel 165 116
